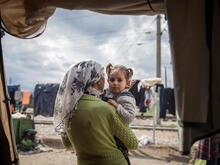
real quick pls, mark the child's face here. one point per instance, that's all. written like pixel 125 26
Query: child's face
pixel 117 82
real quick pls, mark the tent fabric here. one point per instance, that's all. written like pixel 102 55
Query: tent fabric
pixel 44 99
pixel 195 52
pixel 5 148
pixel 6 129
pixel 131 7
pixel 28 18
pixel 20 21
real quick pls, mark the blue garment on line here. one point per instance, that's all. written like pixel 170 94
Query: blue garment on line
pixel 44 99
pixel 167 102
pixel 142 106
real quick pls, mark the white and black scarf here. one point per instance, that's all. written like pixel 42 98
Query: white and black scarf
pixel 77 81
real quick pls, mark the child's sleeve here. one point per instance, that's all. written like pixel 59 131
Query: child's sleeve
pixel 122 131
pixel 126 108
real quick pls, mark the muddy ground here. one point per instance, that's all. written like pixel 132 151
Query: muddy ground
pixel 163 152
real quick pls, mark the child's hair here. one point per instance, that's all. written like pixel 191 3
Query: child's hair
pixel 128 72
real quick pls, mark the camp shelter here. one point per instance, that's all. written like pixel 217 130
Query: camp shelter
pixel 194 37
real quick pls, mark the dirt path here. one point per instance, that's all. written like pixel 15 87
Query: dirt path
pixel 164 152
pixel 150 155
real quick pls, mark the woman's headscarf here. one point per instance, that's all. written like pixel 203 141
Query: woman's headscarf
pixel 78 80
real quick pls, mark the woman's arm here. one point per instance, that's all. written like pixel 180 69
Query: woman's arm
pixel 122 131
pixel 66 142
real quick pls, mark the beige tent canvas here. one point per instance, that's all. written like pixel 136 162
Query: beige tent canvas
pixel 150 82
pixel 194 37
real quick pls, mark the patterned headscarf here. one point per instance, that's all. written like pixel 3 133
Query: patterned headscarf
pixel 78 80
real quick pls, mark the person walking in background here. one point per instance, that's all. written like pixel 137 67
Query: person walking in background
pixel 148 94
pixel 118 95
pixel 87 123
pixel 18 98
pixel 142 105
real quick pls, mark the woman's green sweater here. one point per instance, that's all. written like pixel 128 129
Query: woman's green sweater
pixel 93 127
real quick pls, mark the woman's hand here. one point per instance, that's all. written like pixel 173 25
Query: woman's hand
pixel 113 102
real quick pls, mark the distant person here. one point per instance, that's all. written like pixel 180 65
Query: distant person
pixel 87 123
pixel 118 95
pixel 18 98
pixel 148 94
pixel 142 105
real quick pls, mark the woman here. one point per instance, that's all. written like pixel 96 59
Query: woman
pixel 86 122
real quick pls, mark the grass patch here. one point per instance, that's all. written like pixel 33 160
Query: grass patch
pixel 149 113
pixel 173 126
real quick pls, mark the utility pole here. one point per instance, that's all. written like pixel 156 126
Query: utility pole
pixel 165 72
pixel 158 46
pixel 10 81
pixel 158 75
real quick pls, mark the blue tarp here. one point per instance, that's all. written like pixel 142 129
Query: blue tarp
pixel 44 99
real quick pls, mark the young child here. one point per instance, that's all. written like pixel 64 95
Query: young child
pixel 118 95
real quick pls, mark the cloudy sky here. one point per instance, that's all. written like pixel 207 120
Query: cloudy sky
pixel 73 36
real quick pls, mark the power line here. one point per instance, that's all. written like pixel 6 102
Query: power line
pixel 131 45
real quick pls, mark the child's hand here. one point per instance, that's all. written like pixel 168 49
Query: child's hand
pixel 113 102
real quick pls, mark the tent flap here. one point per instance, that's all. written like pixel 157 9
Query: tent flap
pixel 6 128
pixel 28 18
pixel 195 50
pixel 21 21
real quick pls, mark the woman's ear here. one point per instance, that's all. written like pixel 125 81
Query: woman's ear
pixel 128 83
pixel 100 84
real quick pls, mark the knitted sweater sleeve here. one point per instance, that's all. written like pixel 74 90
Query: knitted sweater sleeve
pixel 122 131
pixel 66 142
pixel 126 108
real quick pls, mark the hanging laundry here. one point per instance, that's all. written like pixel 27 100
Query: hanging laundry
pixel 134 90
pixel 167 102
pixel 26 97
pixel 44 99
pixel 142 104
